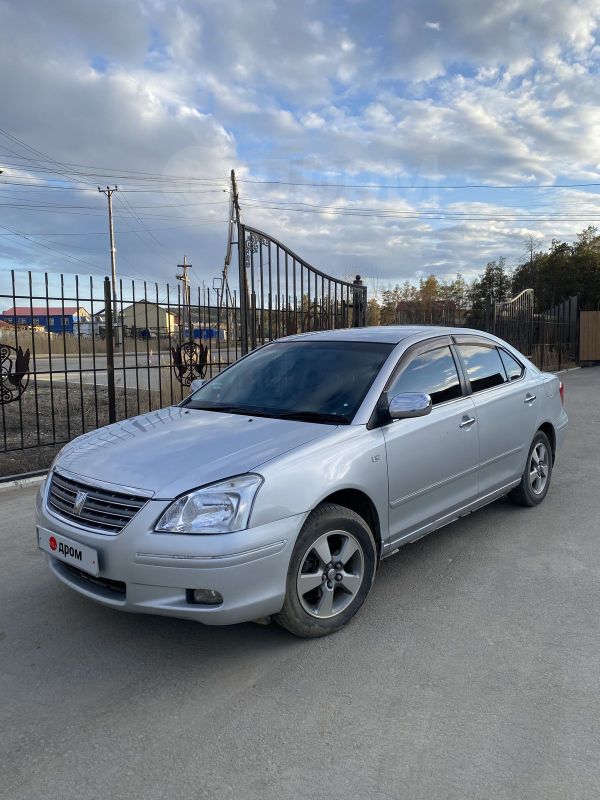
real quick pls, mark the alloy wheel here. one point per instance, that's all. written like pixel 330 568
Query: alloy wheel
pixel 538 468
pixel 330 575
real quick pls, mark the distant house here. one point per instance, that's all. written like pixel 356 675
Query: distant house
pixel 55 319
pixel 149 317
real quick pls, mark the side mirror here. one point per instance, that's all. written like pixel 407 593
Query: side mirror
pixel 409 404
pixel 197 384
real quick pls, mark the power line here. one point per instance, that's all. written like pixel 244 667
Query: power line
pixel 434 215
pixel 44 156
pixel 48 247
pixel 120 232
pixel 78 169
pixel 138 219
pixel 36 186
pixel 144 175
pixel 44 204
pixel 141 173
pixel 288 203
pixel 420 186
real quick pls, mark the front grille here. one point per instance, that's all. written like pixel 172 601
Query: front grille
pixel 118 587
pixel 103 510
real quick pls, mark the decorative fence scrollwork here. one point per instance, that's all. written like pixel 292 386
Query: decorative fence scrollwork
pixel 14 372
pixel 190 360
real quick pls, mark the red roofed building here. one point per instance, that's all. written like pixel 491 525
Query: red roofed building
pixel 55 319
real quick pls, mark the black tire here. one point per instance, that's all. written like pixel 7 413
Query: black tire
pixel 323 523
pixel 525 494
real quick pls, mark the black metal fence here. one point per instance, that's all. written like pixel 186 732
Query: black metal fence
pixel 550 338
pixel 556 336
pixel 70 364
pixel 513 322
pixel 72 359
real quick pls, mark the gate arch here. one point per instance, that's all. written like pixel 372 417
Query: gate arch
pixel 281 293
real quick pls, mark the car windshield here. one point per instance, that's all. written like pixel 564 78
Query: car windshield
pixel 320 381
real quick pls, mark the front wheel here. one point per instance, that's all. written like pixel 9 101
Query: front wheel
pixel 330 574
pixel 535 480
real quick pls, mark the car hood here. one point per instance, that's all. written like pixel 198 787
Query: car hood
pixel 175 449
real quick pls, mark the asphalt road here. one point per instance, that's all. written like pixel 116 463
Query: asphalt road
pixel 472 672
pixel 146 365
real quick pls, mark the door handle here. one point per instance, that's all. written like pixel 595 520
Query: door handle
pixel 466 421
pixel 529 398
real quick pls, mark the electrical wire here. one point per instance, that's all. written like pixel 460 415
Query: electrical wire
pixel 452 187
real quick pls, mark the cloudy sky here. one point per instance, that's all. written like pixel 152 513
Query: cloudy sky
pixel 392 138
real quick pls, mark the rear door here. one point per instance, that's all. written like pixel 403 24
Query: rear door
pixel 432 460
pixel 505 403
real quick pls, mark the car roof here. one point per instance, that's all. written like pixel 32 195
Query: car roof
pixel 392 334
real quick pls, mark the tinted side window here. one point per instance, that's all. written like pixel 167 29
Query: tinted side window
pixel 513 369
pixel 433 373
pixel 484 366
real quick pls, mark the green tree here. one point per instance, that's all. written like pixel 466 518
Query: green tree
pixel 389 305
pixel 562 271
pixel 373 312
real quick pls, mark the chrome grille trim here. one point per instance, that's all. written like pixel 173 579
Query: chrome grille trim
pixel 104 510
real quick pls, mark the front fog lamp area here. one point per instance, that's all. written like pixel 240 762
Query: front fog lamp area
pixel 223 507
pixel 203 597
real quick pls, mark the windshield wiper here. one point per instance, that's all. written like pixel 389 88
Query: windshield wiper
pixel 315 416
pixel 245 410
pixel 302 416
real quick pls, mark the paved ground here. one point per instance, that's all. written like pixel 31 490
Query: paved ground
pixel 145 364
pixel 473 671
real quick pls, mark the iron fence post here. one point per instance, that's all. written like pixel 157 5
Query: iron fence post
pixel 241 235
pixel 110 359
pixel 490 313
pixel 575 339
pixel 357 305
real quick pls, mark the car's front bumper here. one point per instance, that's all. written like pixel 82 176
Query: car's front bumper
pixel 248 568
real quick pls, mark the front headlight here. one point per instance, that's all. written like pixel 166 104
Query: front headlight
pixel 223 507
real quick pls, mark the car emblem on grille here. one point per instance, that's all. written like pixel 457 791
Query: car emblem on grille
pixel 79 501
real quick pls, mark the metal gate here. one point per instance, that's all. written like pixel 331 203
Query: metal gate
pixel 513 321
pixel 282 294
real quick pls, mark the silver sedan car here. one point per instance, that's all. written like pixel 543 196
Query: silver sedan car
pixel 276 488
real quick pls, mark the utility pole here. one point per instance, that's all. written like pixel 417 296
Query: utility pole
pixel 185 280
pixel 113 268
pixel 243 277
pixel 235 196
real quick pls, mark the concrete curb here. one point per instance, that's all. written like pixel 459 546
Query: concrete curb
pixel 22 483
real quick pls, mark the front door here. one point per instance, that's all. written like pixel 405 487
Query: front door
pixel 432 460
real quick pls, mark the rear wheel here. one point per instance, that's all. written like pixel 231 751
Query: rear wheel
pixel 330 574
pixel 535 480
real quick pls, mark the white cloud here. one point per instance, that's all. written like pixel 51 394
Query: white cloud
pixel 305 92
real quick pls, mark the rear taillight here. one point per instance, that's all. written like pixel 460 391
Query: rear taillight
pixel 561 389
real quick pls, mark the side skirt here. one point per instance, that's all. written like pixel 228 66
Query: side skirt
pixel 392 547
